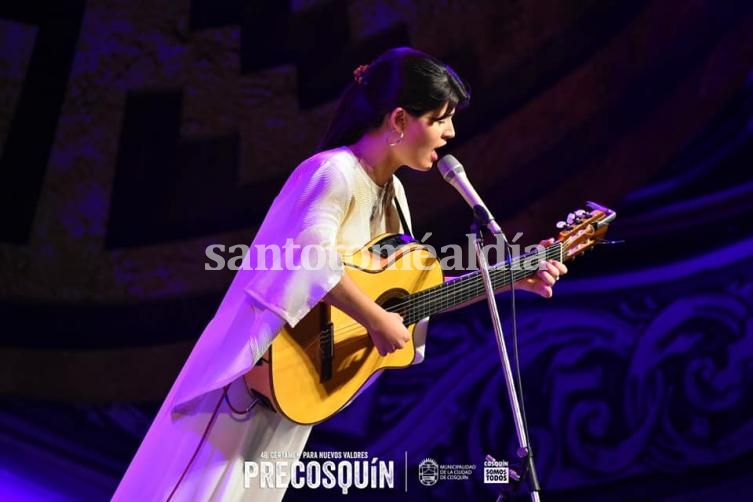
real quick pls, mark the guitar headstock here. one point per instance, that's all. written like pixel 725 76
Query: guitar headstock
pixel 583 229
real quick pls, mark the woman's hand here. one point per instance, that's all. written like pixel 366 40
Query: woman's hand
pixel 388 332
pixel 386 329
pixel 548 274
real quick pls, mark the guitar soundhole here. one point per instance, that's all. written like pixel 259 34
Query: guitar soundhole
pixel 391 300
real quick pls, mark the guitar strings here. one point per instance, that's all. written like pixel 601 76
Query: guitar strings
pixel 468 283
pixel 463 289
pixel 472 286
pixel 466 287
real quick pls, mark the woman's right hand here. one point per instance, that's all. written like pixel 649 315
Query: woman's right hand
pixel 388 332
pixel 386 329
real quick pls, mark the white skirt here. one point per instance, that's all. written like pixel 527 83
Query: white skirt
pixel 176 461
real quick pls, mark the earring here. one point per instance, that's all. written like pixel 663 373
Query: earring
pixel 393 143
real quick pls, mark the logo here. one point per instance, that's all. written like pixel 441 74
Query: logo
pixel 496 471
pixel 428 472
pixel 343 470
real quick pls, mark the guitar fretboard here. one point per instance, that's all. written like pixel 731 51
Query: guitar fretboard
pixel 441 297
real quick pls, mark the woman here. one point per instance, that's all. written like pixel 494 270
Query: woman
pixel 397 112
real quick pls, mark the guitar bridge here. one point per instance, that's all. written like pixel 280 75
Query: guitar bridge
pixel 326 352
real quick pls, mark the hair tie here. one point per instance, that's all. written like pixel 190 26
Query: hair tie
pixel 359 74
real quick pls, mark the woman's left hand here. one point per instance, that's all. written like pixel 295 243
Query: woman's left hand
pixel 548 274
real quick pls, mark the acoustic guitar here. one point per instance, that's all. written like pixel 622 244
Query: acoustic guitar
pixel 312 371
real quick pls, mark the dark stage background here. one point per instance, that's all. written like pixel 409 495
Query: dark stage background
pixel 134 134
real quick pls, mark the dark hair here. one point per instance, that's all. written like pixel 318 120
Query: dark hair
pixel 401 77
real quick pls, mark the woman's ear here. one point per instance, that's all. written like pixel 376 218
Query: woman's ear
pixel 397 119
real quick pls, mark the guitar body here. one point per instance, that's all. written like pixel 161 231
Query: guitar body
pixel 293 377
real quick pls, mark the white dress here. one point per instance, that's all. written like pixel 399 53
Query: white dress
pixel 327 202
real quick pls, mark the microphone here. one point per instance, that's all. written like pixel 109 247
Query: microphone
pixel 453 173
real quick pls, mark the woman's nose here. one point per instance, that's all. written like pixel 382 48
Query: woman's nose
pixel 449 131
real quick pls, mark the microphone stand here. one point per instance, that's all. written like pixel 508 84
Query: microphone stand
pixel 482 220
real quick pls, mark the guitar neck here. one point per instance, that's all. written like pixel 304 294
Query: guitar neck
pixel 468 287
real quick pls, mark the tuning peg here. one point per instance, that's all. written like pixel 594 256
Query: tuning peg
pixel 561 225
pixel 580 213
pixel 570 219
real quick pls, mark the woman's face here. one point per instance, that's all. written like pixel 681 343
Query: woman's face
pixel 423 135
